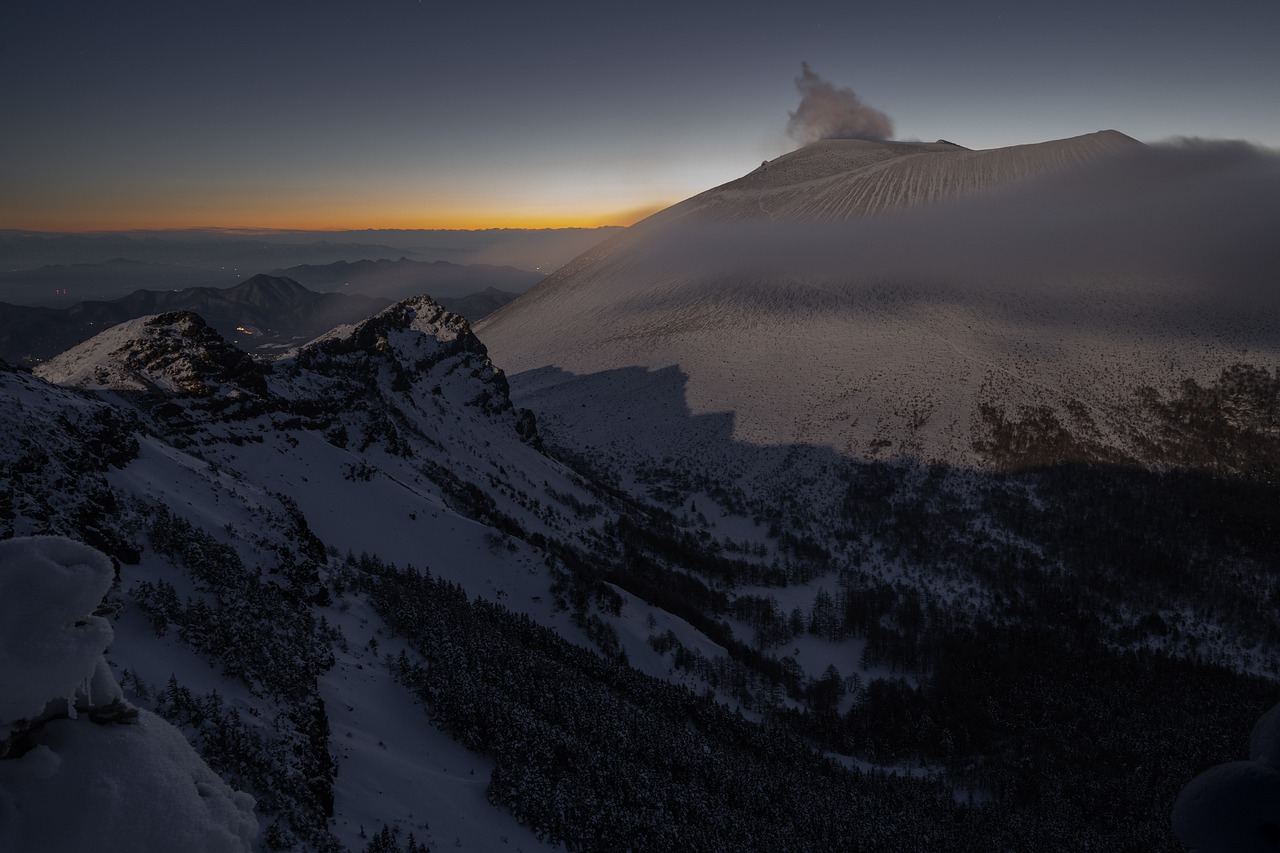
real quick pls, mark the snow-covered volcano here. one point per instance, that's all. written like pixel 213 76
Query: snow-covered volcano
pixel 836 179
pixel 906 300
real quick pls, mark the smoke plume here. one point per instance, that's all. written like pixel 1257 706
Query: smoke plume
pixel 826 112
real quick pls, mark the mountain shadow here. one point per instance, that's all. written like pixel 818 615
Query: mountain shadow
pixel 1073 637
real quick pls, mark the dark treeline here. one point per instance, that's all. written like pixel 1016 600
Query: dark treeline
pixel 257 627
pixel 598 756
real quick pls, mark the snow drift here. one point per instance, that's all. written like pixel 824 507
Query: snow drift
pixel 1236 806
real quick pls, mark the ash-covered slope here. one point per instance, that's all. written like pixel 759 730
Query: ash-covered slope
pixel 834 298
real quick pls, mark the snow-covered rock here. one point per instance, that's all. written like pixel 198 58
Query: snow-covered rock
pixel 1235 807
pixel 115 788
pixel 79 768
pixel 419 350
pixel 175 352
pixel 49 586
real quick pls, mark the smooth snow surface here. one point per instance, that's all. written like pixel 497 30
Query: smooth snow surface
pixel 72 783
pixel 1264 743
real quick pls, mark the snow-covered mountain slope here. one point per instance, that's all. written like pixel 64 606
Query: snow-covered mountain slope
pixel 175 352
pixel 368 599
pixel 230 503
pixel 206 475
pixel 1061 279
pixel 1045 404
pixel 836 179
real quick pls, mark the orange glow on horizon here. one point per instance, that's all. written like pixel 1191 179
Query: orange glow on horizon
pixel 85 221
pixel 346 205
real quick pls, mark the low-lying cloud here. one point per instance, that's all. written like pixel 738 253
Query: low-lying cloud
pixel 827 112
pixel 1186 230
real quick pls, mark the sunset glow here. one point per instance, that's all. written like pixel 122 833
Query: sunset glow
pixel 352 217
pixel 325 116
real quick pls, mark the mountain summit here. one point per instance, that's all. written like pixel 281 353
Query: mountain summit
pixel 835 179
pixel 176 352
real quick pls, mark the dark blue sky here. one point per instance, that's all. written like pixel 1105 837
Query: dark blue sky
pixel 417 114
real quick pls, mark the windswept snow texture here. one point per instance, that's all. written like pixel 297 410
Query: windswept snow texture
pixel 74 782
pixel 838 179
pixel 891 300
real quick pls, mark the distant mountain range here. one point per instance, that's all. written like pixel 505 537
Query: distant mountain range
pixel 403 278
pixel 63 284
pixel 216 256
pixel 60 286
pixel 222 256
pixel 263 312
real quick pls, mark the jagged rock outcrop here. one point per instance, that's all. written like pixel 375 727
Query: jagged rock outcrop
pixel 416 351
pixel 175 352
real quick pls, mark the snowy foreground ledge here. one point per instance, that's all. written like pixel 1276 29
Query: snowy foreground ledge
pixel 1236 806
pixel 79 768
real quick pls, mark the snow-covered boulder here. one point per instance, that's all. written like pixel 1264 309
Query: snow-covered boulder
pixel 50 645
pixel 138 787
pixel 80 769
pixel 1236 806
